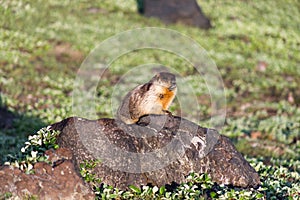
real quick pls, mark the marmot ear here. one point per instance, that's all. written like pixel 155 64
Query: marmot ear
pixel 146 86
pixel 154 78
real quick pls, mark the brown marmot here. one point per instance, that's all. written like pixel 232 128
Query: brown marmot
pixel 153 97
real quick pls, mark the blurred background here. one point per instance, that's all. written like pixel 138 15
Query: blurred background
pixel 255 45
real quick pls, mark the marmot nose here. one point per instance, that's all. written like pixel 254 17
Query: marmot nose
pixel 173 86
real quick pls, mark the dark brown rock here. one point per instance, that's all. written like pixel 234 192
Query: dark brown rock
pixel 172 11
pixel 6 118
pixel 159 150
pixel 58 182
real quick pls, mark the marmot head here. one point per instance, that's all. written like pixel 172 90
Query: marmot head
pixel 165 79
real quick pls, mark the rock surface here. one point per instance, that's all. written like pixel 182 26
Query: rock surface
pixel 59 181
pixel 159 150
pixel 171 11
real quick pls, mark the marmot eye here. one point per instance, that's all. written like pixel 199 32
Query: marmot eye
pixel 164 79
pixel 161 96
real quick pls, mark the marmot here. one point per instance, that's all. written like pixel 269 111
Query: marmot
pixel 153 97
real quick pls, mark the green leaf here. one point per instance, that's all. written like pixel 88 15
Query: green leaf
pixel 162 190
pixel 135 189
pixel 259 195
pixel 113 196
pixel 213 194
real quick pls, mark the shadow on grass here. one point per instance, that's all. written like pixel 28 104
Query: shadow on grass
pixel 14 131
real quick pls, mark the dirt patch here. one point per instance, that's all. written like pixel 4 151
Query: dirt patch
pixel 64 53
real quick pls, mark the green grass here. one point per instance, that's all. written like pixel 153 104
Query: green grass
pixel 42 45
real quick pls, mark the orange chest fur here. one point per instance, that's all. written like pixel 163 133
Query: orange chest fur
pixel 166 97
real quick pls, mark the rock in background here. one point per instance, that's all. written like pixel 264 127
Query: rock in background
pixel 172 11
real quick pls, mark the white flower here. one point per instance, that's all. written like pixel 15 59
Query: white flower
pixel 30 137
pixel 34 154
pixel 39 142
pixel 155 189
pixel 7 163
pixel 16 164
pixel 30 167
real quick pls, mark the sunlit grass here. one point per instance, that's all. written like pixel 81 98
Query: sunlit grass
pixel 255 45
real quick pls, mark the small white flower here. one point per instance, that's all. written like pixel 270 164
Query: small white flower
pixel 145 187
pixel 30 167
pixel 17 164
pixel 247 193
pixel 34 154
pixel 23 149
pixel 155 189
pixel 30 137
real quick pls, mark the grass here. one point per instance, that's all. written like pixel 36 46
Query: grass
pixel 254 44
